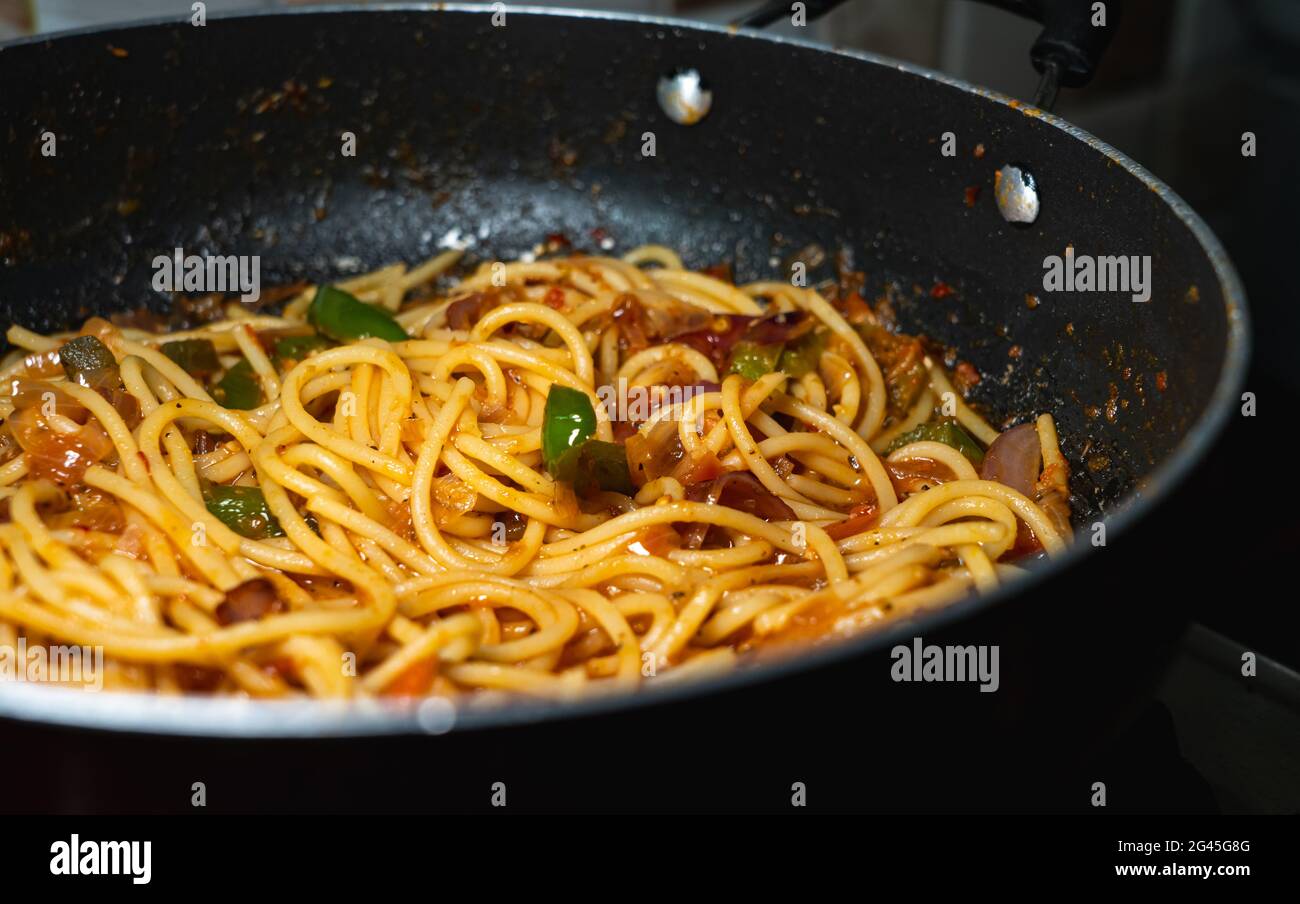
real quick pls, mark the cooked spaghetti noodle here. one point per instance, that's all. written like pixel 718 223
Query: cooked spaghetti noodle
pixel 344 517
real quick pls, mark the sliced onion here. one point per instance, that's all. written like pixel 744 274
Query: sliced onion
pixel 1013 459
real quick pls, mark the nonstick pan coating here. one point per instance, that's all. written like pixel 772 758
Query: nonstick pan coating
pixel 227 139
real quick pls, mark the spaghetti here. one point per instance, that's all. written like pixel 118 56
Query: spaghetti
pixel 553 477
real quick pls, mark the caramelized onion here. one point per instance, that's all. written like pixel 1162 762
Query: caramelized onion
pixel 916 474
pixel 43 364
pixel 91 510
pixel 741 491
pixel 9 448
pixel 1056 505
pixel 726 330
pixel 656 540
pixel 647 316
pixel 777 328
pixel 696 469
pixel 32 394
pixel 855 308
pixel 55 453
pixel 205 442
pixel 101 329
pixel 513 524
pixel 654 454
pixel 250 601
pixel 126 405
pixel 452 497
pixel 717 339
pixel 463 313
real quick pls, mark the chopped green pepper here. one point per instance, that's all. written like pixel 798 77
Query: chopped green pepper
pixel 342 316
pixel 570 453
pixel 197 357
pixel 88 361
pixel 803 356
pixel 751 360
pixel 242 509
pixel 239 387
pixel 603 465
pixel 297 348
pixel 596 465
pixel 946 432
pixel 568 421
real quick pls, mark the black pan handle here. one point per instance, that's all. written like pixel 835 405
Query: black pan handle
pixel 1066 53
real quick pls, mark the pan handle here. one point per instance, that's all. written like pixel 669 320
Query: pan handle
pixel 1066 53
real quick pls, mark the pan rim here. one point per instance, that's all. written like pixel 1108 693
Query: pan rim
pixel 235 718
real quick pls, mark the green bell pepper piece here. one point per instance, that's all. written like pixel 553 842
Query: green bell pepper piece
pixel 595 465
pixel 946 432
pixel 568 421
pixel 239 387
pixel 297 348
pixel 343 317
pixel 197 357
pixel 243 510
pixel 803 357
pixel 570 453
pixel 751 360
pixel 87 361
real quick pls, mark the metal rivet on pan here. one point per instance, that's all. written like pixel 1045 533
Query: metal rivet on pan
pixel 1016 192
pixel 684 97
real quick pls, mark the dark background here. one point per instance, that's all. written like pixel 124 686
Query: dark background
pixel 1176 92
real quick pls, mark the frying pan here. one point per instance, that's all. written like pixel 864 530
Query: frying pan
pixel 227 139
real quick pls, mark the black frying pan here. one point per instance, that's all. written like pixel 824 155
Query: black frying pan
pixel 226 139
